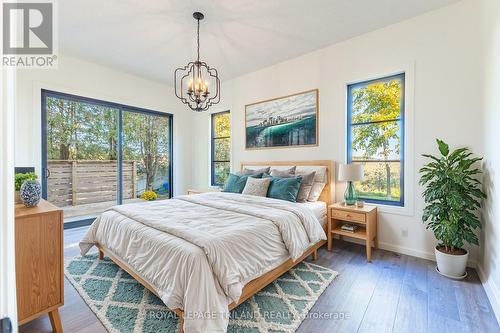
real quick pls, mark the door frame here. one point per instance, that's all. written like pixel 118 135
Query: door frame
pixel 121 108
pixel 8 300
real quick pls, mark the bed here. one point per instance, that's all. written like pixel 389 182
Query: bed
pixel 205 254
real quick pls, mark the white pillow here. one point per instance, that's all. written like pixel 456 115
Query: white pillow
pixel 257 186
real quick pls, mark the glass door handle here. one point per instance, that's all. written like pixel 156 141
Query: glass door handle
pixel 47 173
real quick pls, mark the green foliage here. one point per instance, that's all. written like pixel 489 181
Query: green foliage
pixel 86 131
pixel 146 139
pixel 222 125
pixel 222 146
pixel 20 178
pixel 78 131
pixel 376 108
pixel 453 196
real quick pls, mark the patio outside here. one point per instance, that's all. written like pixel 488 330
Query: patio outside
pixel 85 189
pixel 85 141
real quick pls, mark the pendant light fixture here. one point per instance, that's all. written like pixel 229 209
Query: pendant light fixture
pixel 197 84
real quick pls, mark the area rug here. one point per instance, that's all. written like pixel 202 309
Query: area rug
pixel 124 306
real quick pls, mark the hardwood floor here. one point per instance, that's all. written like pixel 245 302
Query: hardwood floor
pixel 394 293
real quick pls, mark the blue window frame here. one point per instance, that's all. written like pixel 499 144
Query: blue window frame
pixel 220 147
pixel 122 116
pixel 375 137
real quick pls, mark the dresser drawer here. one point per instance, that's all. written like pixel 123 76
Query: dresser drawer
pixel 348 216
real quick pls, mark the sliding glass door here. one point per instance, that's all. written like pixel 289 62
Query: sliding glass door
pixel 146 154
pixel 97 154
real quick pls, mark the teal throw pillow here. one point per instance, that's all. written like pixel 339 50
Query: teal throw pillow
pixel 236 183
pixel 284 188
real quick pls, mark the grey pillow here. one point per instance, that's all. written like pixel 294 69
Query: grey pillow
pixel 283 173
pixel 306 186
pixel 316 190
pixel 248 172
pixel 257 186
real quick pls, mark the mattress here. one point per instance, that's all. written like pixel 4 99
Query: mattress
pixel 318 208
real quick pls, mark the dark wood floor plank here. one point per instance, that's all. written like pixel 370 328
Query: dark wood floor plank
pixel 473 305
pixel 393 293
pixel 411 314
pixel 343 283
pixel 441 296
pixel 333 302
pixel 381 312
pixel 76 316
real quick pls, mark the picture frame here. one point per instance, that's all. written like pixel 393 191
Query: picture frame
pixel 289 121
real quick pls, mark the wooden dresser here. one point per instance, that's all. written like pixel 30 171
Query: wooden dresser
pixel 39 263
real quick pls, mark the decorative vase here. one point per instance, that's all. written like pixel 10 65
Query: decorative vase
pixel 31 191
pixel 350 196
pixel 451 265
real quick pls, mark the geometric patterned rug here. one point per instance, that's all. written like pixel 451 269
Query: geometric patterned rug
pixel 124 306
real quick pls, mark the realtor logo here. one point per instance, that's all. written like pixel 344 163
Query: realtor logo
pixel 28 34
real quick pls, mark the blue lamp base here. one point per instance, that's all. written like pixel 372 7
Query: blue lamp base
pixel 350 196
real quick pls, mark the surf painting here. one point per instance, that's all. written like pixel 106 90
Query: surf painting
pixel 288 121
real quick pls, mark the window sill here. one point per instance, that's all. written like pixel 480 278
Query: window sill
pixel 393 210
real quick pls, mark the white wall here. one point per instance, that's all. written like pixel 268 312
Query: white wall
pixel 489 265
pixel 8 301
pixel 87 79
pixel 440 52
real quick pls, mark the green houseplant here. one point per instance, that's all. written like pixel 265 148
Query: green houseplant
pixel 452 196
pixel 19 179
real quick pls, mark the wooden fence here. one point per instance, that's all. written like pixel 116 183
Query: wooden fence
pixel 73 183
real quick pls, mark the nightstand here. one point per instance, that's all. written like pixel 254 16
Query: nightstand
pixel 364 218
pixel 193 191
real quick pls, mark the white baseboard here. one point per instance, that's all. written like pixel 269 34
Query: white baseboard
pixel 492 291
pixel 406 250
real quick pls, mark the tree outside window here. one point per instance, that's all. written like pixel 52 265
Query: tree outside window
pixel 221 147
pixel 376 137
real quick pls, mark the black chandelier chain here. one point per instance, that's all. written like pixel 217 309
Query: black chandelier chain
pixel 198 41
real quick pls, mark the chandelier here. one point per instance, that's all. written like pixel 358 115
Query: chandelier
pixel 197 84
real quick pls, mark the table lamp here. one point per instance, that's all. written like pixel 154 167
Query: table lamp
pixel 350 173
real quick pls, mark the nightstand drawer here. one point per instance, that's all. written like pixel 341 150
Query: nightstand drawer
pixel 348 216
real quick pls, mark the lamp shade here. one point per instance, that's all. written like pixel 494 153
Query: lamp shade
pixel 351 172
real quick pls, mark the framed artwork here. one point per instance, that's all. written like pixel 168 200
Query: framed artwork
pixel 289 121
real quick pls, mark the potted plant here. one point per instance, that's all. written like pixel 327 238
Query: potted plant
pixel 19 179
pixel 452 196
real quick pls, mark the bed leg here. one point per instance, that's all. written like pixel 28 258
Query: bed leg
pixel 315 255
pixel 180 314
pixel 101 254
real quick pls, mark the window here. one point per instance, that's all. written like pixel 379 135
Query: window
pixel 375 137
pixel 97 154
pixel 221 147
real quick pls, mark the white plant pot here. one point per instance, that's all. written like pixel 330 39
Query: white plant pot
pixel 450 265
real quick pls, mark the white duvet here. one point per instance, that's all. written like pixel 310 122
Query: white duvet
pixel 199 251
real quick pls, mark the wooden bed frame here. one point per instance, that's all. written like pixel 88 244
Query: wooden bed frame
pixel 259 283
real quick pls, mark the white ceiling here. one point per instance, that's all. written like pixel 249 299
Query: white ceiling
pixel 151 38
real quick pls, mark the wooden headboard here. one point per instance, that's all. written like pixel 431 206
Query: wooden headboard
pixel 327 195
